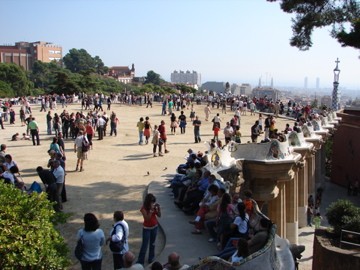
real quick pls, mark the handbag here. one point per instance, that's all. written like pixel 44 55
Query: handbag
pixel 119 245
pixel 161 141
pixel 79 249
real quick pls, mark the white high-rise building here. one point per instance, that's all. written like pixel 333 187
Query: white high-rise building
pixel 317 83
pixel 187 77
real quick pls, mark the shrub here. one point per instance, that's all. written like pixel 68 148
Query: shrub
pixel 343 214
pixel 28 238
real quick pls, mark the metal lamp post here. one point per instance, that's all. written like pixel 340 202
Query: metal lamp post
pixel 335 93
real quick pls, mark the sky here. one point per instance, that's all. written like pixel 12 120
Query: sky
pixel 236 41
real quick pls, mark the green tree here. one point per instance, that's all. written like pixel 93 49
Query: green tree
pixel 79 61
pixel 16 77
pixel 43 75
pixel 28 237
pixel 313 14
pixel 100 68
pixel 343 214
pixel 5 89
pixel 152 77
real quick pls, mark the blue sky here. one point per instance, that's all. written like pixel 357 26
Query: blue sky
pixel 237 41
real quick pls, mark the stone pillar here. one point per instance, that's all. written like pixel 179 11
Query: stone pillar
pixel 303 192
pixel 311 173
pixel 277 210
pixel 291 202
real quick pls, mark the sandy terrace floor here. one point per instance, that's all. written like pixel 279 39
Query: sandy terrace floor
pixel 115 175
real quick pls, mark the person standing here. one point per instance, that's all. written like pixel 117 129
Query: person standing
pixel 228 132
pixel 197 124
pixel 34 130
pixel 119 232
pixel 150 211
pixel 100 127
pixel 114 121
pixel 207 112
pixel 147 129
pixel 255 132
pixel 173 123
pixel 182 122
pixel 48 122
pixel 93 239
pixel 163 137
pixel 78 150
pixel 156 141
pixel 89 133
pixel 140 125
pixel 59 174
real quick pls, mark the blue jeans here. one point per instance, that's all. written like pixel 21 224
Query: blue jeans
pixel 141 135
pixel 148 239
pixel 228 250
pixel 94 265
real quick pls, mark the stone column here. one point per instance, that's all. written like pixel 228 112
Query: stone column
pixel 277 210
pixel 291 204
pixel 303 189
pixel 311 174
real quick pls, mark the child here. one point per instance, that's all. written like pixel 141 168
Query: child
pixel 216 132
pixel 192 115
pixel 15 137
pixel 237 135
pixel 309 214
pixel 260 123
pixel 25 137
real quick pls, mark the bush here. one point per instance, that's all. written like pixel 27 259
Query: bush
pixel 28 238
pixel 343 214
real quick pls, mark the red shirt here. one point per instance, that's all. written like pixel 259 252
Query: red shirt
pixel 161 129
pixel 152 222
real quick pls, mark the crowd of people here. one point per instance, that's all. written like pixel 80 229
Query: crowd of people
pixel 225 216
pixel 197 192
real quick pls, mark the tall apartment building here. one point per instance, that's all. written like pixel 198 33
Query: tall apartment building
pixel 26 53
pixel 187 77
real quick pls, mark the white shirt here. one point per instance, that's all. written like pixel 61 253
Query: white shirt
pixel 79 139
pixel 119 234
pixel 59 175
pixel 242 224
pixel 101 122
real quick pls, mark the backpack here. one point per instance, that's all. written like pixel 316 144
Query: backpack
pixel 85 145
pixel 119 245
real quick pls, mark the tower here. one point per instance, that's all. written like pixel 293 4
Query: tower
pixel 336 93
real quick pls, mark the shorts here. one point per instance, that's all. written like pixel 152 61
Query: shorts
pixel 80 154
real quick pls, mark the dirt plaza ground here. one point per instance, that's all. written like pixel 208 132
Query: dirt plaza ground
pixel 118 169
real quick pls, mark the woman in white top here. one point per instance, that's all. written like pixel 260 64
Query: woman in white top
pixel 93 239
pixel 241 252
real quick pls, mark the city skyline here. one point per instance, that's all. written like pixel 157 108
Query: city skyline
pixel 234 41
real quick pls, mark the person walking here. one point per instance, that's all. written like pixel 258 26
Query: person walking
pixel 147 129
pixel 93 239
pixel 182 122
pixel 197 124
pixel 207 112
pixel 163 136
pixel 119 232
pixel 150 211
pixel 156 141
pixel 79 151
pixel 34 130
pixel 140 125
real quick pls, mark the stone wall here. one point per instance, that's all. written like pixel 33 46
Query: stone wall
pixel 328 257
